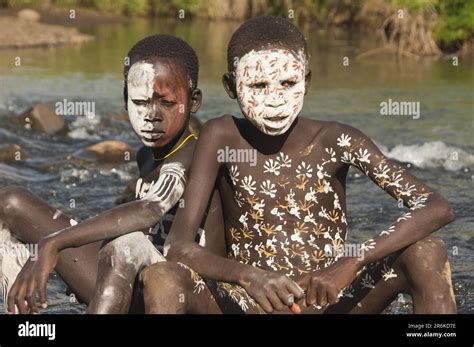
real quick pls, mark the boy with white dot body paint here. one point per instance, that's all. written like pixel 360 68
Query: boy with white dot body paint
pixel 160 92
pixel 285 218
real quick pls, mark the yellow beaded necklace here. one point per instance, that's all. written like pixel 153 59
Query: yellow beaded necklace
pixel 177 148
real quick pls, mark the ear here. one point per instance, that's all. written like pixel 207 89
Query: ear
pixel 125 95
pixel 196 100
pixel 307 79
pixel 228 80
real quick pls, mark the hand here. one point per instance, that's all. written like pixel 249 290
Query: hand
pixel 323 286
pixel 271 290
pixel 32 278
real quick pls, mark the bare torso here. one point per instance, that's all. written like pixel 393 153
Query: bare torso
pixel 288 212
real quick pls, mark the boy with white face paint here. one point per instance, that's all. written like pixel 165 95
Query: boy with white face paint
pixel 285 218
pixel 160 92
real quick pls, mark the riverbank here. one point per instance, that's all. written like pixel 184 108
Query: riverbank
pixel 413 29
pixel 24 29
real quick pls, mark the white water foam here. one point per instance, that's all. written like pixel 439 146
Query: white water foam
pixel 431 155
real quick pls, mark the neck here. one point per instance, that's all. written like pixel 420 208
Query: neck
pixel 163 151
pixel 269 144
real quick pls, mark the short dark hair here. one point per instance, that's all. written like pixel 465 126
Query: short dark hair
pixel 164 46
pixel 262 33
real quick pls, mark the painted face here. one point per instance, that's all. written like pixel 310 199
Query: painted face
pixel 270 88
pixel 158 101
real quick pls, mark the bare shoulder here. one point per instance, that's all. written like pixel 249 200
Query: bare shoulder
pixel 219 130
pixel 184 155
pixel 334 132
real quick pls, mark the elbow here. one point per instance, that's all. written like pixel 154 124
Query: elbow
pixel 172 251
pixel 450 215
pixel 444 211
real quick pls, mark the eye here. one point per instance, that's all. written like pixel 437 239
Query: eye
pixel 288 83
pixel 168 103
pixel 140 102
pixel 259 85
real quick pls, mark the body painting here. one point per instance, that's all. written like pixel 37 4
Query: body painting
pixel 140 81
pixel 270 88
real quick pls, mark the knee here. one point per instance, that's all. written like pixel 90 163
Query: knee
pixel 165 275
pixel 12 198
pixel 427 254
pixel 121 252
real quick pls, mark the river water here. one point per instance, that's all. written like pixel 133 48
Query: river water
pixel 438 147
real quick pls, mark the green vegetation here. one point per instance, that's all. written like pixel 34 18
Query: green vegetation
pixel 456 20
pixel 455 17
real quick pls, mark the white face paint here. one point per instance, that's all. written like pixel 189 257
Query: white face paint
pixel 140 87
pixel 270 88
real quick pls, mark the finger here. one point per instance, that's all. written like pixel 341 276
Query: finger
pixel 302 302
pixel 275 301
pixel 264 303
pixel 21 302
pixel 11 299
pixel 286 297
pixel 42 291
pixel 312 294
pixel 30 298
pixel 322 296
pixel 294 289
pixel 333 297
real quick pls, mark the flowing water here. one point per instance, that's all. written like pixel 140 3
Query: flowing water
pixel 439 145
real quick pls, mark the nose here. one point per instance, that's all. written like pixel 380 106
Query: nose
pixel 153 115
pixel 274 98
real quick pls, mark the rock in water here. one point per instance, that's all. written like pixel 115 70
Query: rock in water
pixel 111 151
pixel 29 15
pixel 42 118
pixel 11 152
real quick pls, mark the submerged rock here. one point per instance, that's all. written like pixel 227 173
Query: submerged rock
pixel 110 151
pixel 42 118
pixel 11 152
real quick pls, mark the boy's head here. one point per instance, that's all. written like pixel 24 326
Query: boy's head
pixel 267 59
pixel 160 88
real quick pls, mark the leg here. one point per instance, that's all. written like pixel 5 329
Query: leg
pixel 28 218
pixel 421 270
pixel 120 260
pixel 173 288
pixel 426 267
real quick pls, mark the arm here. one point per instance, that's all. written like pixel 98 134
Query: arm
pixel 161 196
pixel 180 244
pixel 428 211
pixel 271 290
pixel 156 199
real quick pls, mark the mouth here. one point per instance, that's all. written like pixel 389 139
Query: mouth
pixel 276 122
pixel 152 135
pixel 276 118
